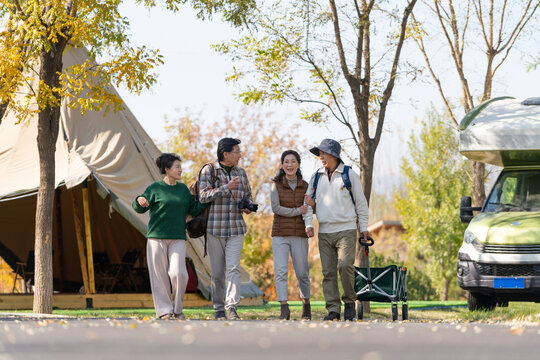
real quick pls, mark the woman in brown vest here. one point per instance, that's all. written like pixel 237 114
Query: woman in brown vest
pixel 288 232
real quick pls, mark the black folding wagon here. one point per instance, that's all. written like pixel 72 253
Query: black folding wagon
pixel 384 284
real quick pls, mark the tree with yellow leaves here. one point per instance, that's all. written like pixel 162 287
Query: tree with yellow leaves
pixel 32 43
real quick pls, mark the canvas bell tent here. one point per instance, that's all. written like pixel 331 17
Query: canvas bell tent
pixel 102 162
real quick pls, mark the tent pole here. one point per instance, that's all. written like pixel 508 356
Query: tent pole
pixel 88 231
pixel 80 243
pixel 60 235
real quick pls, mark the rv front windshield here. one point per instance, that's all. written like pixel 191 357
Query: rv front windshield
pixel 515 191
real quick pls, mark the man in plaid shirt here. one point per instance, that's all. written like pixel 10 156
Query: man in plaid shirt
pixel 226 226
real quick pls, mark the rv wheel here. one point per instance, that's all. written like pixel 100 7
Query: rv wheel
pixel 479 302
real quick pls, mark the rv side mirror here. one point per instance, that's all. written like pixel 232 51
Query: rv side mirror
pixel 466 209
pixel 465 215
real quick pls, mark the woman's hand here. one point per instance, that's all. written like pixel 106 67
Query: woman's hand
pixel 308 200
pixel 310 232
pixel 142 201
pixel 303 209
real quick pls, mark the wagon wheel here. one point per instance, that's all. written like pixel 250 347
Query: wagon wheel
pixel 360 310
pixel 405 311
pixel 394 312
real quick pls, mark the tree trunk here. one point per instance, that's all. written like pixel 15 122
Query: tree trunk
pixel 367 159
pixel 479 190
pixel 367 155
pixel 48 122
pixel 3 109
pixel 446 285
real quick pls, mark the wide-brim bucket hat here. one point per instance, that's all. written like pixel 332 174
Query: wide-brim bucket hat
pixel 328 146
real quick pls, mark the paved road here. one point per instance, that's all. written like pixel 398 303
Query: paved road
pixel 136 339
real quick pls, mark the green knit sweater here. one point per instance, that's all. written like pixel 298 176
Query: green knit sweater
pixel 169 205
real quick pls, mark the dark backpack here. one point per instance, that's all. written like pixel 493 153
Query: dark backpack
pixel 346 182
pixel 196 227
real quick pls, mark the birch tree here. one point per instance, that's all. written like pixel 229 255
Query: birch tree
pixel 494 27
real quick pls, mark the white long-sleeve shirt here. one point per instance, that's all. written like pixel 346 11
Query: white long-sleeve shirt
pixel 334 206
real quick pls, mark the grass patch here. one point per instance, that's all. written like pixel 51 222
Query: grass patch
pixel 516 311
pixel 431 311
pixel 379 311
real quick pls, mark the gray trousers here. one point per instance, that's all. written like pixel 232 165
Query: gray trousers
pixel 225 253
pixel 167 267
pixel 297 246
pixel 338 251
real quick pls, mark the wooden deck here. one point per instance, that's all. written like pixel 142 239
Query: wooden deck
pixel 104 301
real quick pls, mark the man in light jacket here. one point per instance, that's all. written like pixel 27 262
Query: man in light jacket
pixel 339 219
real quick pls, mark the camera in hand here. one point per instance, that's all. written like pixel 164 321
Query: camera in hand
pixel 245 204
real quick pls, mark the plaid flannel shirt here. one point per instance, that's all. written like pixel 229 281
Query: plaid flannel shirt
pixel 224 217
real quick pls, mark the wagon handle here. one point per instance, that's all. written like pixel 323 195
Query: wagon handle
pixel 369 241
pixel 366 244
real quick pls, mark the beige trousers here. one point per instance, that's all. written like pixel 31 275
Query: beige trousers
pixel 338 251
pixel 298 247
pixel 225 253
pixel 168 274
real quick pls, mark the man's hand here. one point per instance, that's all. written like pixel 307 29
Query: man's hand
pixel 303 209
pixel 142 201
pixel 310 232
pixel 245 211
pixel 365 235
pixel 234 183
pixel 308 200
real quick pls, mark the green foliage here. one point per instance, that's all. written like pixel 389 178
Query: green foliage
pixel 437 177
pixel 33 28
pixel 533 65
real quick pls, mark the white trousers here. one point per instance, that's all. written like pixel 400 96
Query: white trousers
pixel 225 253
pixel 297 246
pixel 168 274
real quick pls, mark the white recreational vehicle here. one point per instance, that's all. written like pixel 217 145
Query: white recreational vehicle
pixel 499 260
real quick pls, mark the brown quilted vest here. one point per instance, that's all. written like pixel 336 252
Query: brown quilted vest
pixel 290 226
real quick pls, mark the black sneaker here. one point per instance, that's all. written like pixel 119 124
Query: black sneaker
pixel 350 312
pixel 332 315
pixel 220 315
pixel 232 315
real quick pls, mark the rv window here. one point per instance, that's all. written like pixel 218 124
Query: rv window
pixel 516 191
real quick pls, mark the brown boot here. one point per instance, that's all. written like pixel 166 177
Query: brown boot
pixel 306 311
pixel 285 312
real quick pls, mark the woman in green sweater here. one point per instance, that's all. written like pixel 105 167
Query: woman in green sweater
pixel 169 201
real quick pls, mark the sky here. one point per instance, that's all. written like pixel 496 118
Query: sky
pixel 193 76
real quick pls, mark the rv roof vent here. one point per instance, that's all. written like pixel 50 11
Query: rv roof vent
pixel 531 101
